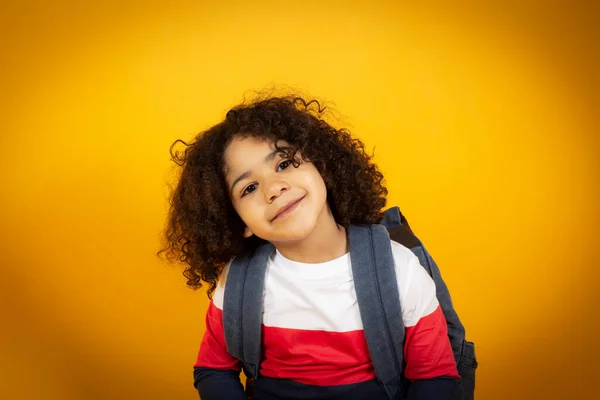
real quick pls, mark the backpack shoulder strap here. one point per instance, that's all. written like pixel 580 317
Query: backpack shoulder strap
pixel 376 289
pixel 242 307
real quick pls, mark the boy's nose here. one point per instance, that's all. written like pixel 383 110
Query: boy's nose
pixel 275 189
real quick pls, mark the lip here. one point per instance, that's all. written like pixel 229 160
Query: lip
pixel 283 211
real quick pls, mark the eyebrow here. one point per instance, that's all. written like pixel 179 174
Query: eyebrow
pixel 246 174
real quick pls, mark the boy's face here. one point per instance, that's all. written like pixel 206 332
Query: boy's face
pixel 277 201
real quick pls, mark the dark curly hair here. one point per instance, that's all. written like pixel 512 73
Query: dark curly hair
pixel 204 231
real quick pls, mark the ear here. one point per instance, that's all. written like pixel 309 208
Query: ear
pixel 247 232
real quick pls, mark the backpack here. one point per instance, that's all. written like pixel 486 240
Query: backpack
pixel 371 257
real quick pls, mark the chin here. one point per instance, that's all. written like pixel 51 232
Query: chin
pixel 294 234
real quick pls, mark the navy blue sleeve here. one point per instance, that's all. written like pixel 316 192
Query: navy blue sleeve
pixel 216 384
pixel 442 388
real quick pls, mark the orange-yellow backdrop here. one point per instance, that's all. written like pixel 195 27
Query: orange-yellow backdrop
pixel 484 119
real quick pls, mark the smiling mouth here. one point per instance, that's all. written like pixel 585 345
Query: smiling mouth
pixel 288 210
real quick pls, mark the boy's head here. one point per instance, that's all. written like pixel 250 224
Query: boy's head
pixel 279 196
pixel 265 156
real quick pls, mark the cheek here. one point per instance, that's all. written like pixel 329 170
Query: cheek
pixel 249 210
pixel 319 184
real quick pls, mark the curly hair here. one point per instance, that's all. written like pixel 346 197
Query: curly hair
pixel 204 231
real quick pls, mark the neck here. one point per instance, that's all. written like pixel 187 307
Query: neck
pixel 327 242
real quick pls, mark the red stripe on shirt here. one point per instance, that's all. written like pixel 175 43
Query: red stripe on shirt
pixel 324 358
pixel 427 350
pixel 315 357
pixel 213 349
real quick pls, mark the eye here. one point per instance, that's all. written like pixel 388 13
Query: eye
pixel 249 189
pixel 283 165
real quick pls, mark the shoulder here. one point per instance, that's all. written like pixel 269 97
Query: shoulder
pixel 219 292
pixel 407 263
pixel 416 288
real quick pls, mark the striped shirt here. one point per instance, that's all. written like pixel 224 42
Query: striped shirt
pixel 313 334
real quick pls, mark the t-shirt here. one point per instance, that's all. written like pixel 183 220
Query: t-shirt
pixel 314 344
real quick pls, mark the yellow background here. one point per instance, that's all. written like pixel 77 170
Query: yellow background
pixel 484 119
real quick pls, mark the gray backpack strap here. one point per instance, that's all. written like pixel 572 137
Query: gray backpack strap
pixel 243 305
pixel 379 303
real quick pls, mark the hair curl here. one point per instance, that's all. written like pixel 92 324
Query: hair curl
pixel 204 231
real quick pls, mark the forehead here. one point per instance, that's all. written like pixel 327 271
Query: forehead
pixel 245 152
pixel 246 145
